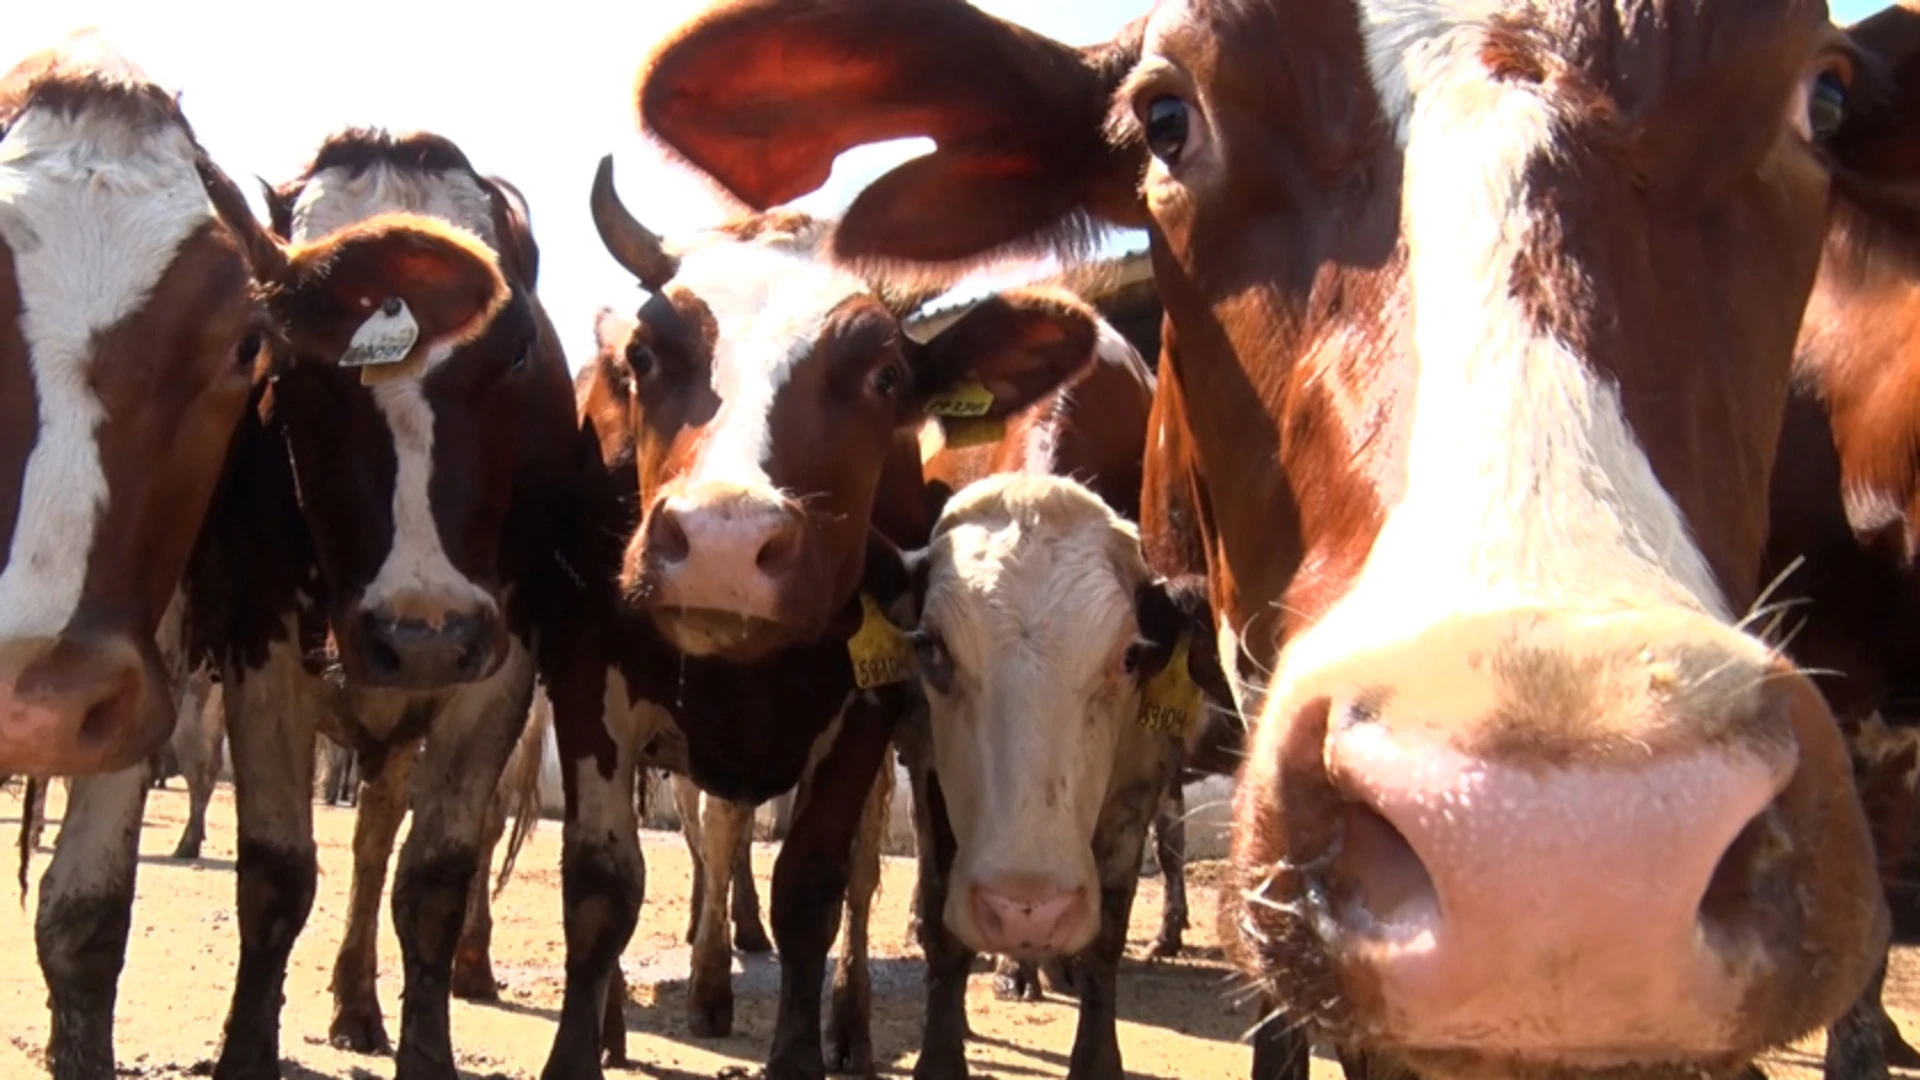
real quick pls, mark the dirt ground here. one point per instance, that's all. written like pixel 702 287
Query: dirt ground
pixel 1179 1020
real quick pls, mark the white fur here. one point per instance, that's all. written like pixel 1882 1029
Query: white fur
pixel 1030 585
pixel 1525 488
pixel 417 564
pixel 333 199
pixel 770 304
pixel 94 210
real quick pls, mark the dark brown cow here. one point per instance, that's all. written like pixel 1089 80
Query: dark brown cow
pixel 770 400
pixel 127 337
pixel 387 508
pixel 1481 317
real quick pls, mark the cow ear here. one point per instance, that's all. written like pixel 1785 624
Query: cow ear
pixel 435 285
pixel 764 95
pixel 1166 610
pixel 513 223
pixel 1004 354
pixel 1877 144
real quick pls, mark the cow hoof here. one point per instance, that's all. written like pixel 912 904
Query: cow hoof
pixel 1166 946
pixel 936 1067
pixel 751 938
pixel 188 849
pixel 849 1052
pixel 359 1033
pixel 474 982
pixel 710 1020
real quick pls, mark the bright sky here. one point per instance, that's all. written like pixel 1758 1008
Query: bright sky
pixel 537 96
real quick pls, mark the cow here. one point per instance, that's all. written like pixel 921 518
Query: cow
pixel 1480 318
pixel 195 753
pixel 729 624
pixel 128 318
pixel 388 506
pixel 129 339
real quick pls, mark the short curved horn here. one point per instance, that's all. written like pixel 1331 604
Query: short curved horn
pixel 630 243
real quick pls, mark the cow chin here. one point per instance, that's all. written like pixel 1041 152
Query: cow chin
pixel 733 636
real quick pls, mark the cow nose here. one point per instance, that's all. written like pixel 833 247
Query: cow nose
pixel 1588 839
pixel 72 706
pixel 420 654
pixel 735 535
pixel 1029 918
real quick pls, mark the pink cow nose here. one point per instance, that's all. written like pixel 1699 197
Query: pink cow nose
pixel 1029 919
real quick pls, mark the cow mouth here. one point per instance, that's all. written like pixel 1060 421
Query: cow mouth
pixel 728 635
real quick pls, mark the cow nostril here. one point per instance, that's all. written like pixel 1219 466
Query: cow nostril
pixel 472 657
pixel 380 655
pixel 1393 887
pixel 1733 892
pixel 668 542
pixel 780 552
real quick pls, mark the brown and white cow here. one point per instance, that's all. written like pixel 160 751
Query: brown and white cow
pixel 387 508
pixel 129 329
pixel 1481 317
pixel 769 402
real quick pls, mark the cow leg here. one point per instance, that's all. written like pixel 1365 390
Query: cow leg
pixel 459 771
pixel 1170 849
pixel 270 723
pixel 1016 980
pixel 943 1043
pixel 1281 1050
pixel 357 1021
pixel 603 877
pixel 1857 1042
pixel 710 984
pixel 86 908
pixel 849 1025
pixel 613 1027
pixel 810 880
pixel 1118 845
pixel 473 959
pixel 749 934
pixel 196 749
pixel 686 800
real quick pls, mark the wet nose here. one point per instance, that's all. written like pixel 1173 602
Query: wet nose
pixel 74 706
pixel 1030 919
pixel 414 653
pixel 723 548
pixel 1586 838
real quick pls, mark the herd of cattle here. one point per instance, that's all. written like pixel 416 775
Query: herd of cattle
pixel 1521 427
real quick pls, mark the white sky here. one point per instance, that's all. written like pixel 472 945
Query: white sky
pixel 536 94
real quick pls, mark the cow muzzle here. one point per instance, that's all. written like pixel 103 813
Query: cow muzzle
pixel 77 706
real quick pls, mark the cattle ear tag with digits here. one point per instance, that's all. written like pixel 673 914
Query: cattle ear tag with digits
pixel 880 652
pixel 963 416
pixel 1170 703
pixel 383 342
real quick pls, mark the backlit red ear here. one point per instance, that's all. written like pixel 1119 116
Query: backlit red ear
pixel 448 281
pixel 1017 347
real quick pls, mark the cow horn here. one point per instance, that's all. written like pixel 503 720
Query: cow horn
pixel 630 243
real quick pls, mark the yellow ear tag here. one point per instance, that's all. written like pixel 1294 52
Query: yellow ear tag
pixel 879 650
pixel 1171 703
pixel 968 400
pixel 962 432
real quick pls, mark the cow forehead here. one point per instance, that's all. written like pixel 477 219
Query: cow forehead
pixel 94 207
pixel 336 197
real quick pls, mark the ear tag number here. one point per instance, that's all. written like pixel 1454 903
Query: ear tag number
pixel 1171 703
pixel 880 652
pixel 965 401
pixel 383 342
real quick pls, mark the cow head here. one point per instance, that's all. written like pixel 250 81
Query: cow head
pixel 1038 628
pixel 406 465
pixel 1482 315
pixel 765 390
pixel 128 333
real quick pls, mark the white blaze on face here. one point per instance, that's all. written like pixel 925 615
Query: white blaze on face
pixel 417 565
pixel 1030 586
pixel 1525 487
pixel 94 209
pixel 769 304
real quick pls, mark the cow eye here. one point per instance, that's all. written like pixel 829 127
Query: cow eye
pixel 887 380
pixel 1167 121
pixel 1826 105
pixel 936 665
pixel 248 351
pixel 641 360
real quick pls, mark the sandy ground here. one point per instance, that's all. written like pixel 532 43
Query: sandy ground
pixel 1179 1020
